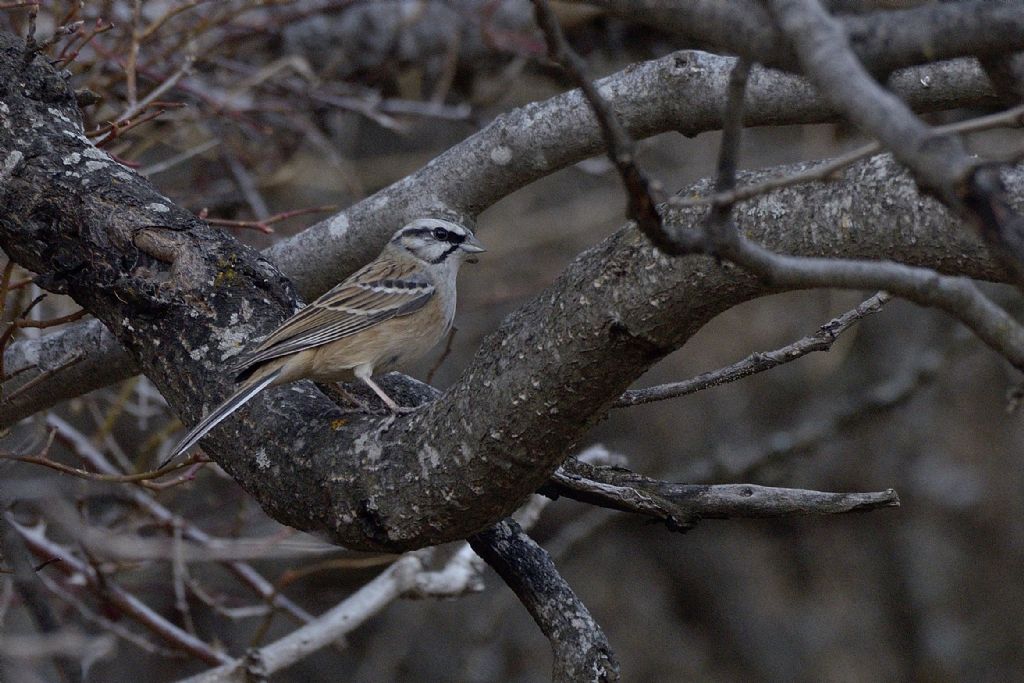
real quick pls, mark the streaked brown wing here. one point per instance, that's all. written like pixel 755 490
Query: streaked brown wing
pixel 379 291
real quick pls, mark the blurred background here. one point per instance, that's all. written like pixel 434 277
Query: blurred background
pixel 275 114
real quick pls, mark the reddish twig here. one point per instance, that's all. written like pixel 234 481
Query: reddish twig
pixel 65 57
pixel 115 129
pixel 52 322
pixel 42 458
pixel 264 225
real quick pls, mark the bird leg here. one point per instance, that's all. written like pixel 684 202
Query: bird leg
pixel 363 373
pixel 360 404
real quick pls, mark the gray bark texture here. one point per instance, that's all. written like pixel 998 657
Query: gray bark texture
pixel 184 298
pixel 580 648
pixel 514 150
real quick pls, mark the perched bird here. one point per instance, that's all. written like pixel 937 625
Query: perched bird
pixel 390 312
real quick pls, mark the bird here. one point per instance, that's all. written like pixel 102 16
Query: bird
pixel 385 315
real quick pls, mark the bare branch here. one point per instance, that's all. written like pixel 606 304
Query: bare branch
pixel 822 340
pixel 643 195
pixel 940 162
pixel 42 546
pixel 85 449
pixel 529 142
pixel 579 645
pixel 681 506
pixel 882 40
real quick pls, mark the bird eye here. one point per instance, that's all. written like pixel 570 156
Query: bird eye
pixel 441 234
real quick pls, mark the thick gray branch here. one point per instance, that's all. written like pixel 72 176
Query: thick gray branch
pixel 882 41
pixel 184 299
pixel 516 149
pixel 940 162
pixel 580 648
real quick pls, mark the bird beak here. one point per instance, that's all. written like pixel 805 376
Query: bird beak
pixel 472 245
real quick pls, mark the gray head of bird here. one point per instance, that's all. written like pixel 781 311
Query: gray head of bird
pixel 437 241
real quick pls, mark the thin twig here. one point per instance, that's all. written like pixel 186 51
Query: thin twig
pixel 265 224
pixel 65 59
pixel 42 458
pixel 643 194
pixel 133 55
pixel 106 587
pixel 717 226
pixel 40 378
pixel 170 162
pixel 52 322
pixel 822 340
pixel 118 128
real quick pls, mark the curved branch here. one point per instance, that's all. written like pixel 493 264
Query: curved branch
pixel 183 298
pixel 579 645
pixel 514 150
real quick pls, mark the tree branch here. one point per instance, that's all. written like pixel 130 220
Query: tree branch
pixel 940 162
pixel 514 150
pixel 822 340
pixel 183 298
pixel 681 506
pixel 883 40
pixel 579 645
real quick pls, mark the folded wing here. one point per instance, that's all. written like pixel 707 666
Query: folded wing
pixel 380 291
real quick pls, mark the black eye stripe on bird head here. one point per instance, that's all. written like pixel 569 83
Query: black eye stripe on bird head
pixel 438 232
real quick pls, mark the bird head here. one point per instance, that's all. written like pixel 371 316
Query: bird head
pixel 435 241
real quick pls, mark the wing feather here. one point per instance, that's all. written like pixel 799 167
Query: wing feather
pixel 381 290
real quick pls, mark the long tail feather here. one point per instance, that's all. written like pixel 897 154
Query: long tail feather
pixel 221 413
